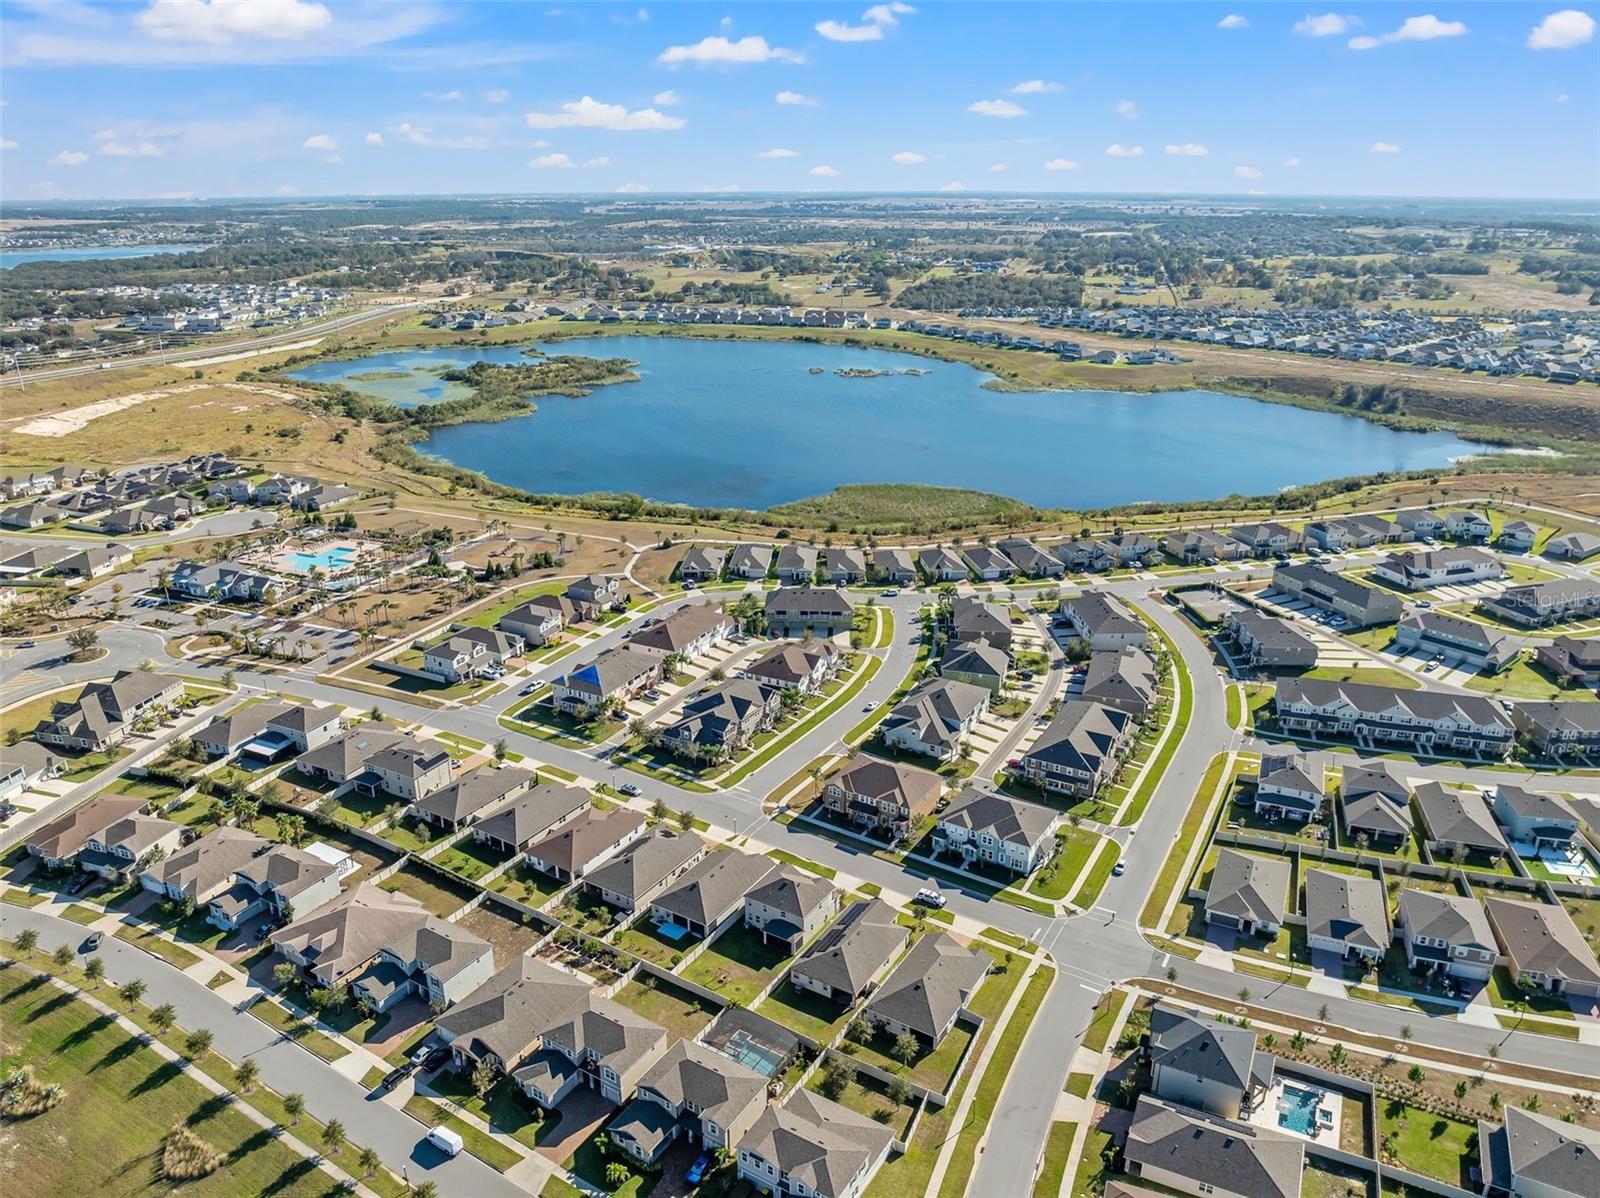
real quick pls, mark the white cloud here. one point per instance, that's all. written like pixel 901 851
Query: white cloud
pixel 449 97
pixel 589 113
pixel 1291 162
pixel 666 99
pixel 496 95
pixel 999 168
pixel 1384 147
pixel 218 22
pixel 122 149
pixel 374 138
pixel 1118 150
pixel 795 99
pixel 421 136
pixel 1032 87
pixel 873 22
pixel 70 158
pixel 1004 109
pixel 953 185
pixel 1413 29
pixel 1233 21
pixel 710 51
pixel 552 162
pixel 321 141
pixel 825 172
pixel 1561 98
pixel 1061 164
pixel 1189 149
pixel 7 144
pixel 1126 109
pixel 909 158
pixel 1247 172
pixel 596 163
pixel 631 189
pixel 1562 31
pixel 778 153
pixel 1329 24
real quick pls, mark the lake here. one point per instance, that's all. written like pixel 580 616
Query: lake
pixel 746 424
pixel 84 253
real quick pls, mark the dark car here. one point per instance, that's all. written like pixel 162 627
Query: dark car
pixel 437 1059
pixel 392 1078
pixel 80 883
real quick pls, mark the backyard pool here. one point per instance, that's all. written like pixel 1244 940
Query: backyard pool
pixel 1297 1109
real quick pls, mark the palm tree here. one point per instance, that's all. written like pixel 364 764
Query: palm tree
pixel 294 1106
pixel 246 1075
pixel 162 1018
pixel 333 1137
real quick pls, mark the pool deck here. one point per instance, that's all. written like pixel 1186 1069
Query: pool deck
pixel 1266 1113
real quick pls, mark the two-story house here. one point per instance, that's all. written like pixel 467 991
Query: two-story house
pixel 882 796
pixel 994 829
pixel 694 1093
pixel 1445 933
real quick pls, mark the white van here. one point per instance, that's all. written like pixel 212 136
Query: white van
pixel 446 1141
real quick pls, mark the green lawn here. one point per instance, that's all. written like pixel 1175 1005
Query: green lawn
pixel 470 859
pixel 303 1034
pixel 1522 679
pixel 1078 1084
pixel 146 938
pixel 682 1014
pixel 590 1165
pixel 737 964
pixel 434 891
pixel 1094 882
pixel 867 1097
pixel 1105 1014
pixel 1054 1168
pixel 413 835
pixel 23 898
pixel 120 1101
pixel 482 1145
pixel 527 885
pixel 1190 831
pixel 643 939
pixel 1057 878
pixel 822 871
pixel 505 1110
pixel 802 1011
pixel 1429 1144
pixel 78 913
pixel 1181 710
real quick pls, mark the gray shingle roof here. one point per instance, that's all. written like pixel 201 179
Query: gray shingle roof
pixel 715 886
pixel 1246 886
pixel 847 955
pixel 1232 1157
pixel 1011 820
pixel 1185 1041
pixel 1459 817
pixel 816 1142
pixel 927 987
pixel 1346 907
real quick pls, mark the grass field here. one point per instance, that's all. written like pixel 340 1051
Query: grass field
pixel 1053 1170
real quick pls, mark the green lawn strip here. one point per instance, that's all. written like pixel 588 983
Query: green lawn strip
pixel 795 731
pixel 994 1079
pixel 1183 708
pixel 1089 1179
pixel 1078 1084
pixel 1053 1170
pixel 737 964
pixel 822 871
pixel 1060 875
pixel 373 1078
pixel 1105 1014
pixel 307 1037
pixel 802 1011
pixel 78 913
pixel 401 1053
pixel 1562 1031
pixel 482 1145
pixel 219 979
pixel 23 898
pixel 1270 973
pixel 505 1110
pixel 1235 708
pixel 560 1187
pixel 1094 882
pixel 119 1102
pixel 1009 939
pixel 156 945
pixel 1192 821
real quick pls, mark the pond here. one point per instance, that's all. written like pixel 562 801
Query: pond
pixel 86 253
pixel 752 424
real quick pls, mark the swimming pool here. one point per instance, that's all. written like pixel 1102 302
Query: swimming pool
pixel 764 1060
pixel 336 557
pixel 1297 1109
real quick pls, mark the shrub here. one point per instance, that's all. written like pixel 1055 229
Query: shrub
pixel 186 1157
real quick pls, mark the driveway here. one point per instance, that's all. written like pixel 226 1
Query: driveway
pixel 581 1116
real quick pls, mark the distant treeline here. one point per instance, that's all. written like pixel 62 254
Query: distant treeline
pixel 952 292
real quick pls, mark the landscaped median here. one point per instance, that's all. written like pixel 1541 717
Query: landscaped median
pixel 1177 726
pixel 1194 821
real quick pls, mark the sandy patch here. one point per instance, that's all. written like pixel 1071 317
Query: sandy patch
pixel 63 424
pixel 251 353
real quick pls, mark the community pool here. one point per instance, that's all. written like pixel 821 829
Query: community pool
pixel 335 557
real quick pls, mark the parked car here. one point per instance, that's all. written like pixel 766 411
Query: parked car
pixel 889 594
pixel 392 1078
pixel 93 942
pixel 81 883
pixel 630 789
pixel 420 1055
pixel 697 1171
pixel 929 898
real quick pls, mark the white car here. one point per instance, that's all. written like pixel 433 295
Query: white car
pixel 929 898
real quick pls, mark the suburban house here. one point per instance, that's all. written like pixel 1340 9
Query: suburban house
pixel 24 765
pixel 533 814
pixel 1445 933
pixel 104 712
pixel 691 631
pixel 977 663
pixel 1338 594
pixel 1375 804
pixel 1422 569
pixel 231 731
pixel 693 1092
pixel 882 796
pixel 1518 536
pixel 1247 893
pixel 552 1033
pixel 1266 642
pixel 1369 714
pixel 805 666
pixel 1462 643
pixel 1079 750
pixel 594 594
pixel 632 879
pixel 1531 817
pixel 710 896
pixel 797 565
pixel 1458 821
pixel 1543 947
pixel 814 1147
pixel 1030 560
pixel 791 906
pixel 1288 788
pixel 844 566
pixel 200 871
pixel 407 768
pixel 843 962
pixel 713 726
pixel 343 757
pixel 585 843
pixel 459 804
pixel 928 989
pixel 1201 1063
pixel 1557 730
pixel 1573 546
pixel 1421 523
pixel 1346 914
pixel 1574 661
pixel 989 564
pixel 115 851
pixel 540 620
pixel 994 829
pixel 703 563
pixel 1201 545
pixel 1199 1154
pixel 385 946
pixel 1122 678
pixel 1265 540
pixel 610 680
pixel 223 581
pixel 93 561
pixel 1537 604
pixel 750 562
pixel 894 566
pixel 1102 622
pixel 1535 1156
pixel 941 564
pixel 278 881
pixel 470 652
pixel 935 717
pixel 821 611
pixel 971 619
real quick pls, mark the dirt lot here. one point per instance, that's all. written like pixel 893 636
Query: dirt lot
pixel 501 928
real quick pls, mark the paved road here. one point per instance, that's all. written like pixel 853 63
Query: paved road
pixel 285 1067
pixel 209 350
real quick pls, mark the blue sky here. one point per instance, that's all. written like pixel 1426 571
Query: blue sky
pixel 218 98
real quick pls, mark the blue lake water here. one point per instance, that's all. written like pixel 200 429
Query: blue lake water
pixel 746 424
pixel 83 253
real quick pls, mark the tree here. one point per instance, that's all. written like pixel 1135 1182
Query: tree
pixel 685 819
pixel 484 1077
pixel 1322 1013
pixel 197 1043
pixel 905 1048
pixel 283 974
pixel 131 991
pixel 370 1162
pixel 426 1190
pixel 501 749
pixel 1417 1074
pixel 1460 1090
pixel 837 1076
pixel 333 1137
pixel 899 1091
pixel 294 1105
pixel 617 1175
pixel 1172 973
pixel 163 1017
pixel 62 957
pixel 1405 1031
pixel 659 809
pixel 246 1073
pixel 27 940
pixel 81 640
pixel 859 1031
pixel 95 971
pixel 1337 1055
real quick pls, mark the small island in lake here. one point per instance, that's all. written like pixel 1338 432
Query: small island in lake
pixel 859 372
